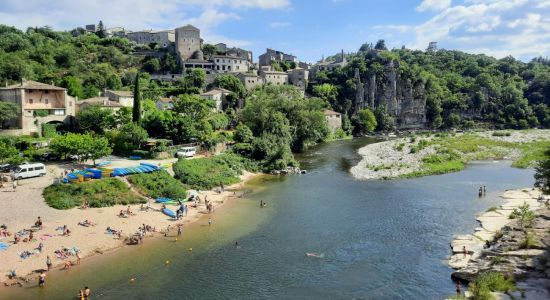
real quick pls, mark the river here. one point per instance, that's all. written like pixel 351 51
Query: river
pixel 377 239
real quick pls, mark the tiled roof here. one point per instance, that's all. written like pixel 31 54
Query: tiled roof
pixel 102 101
pixel 122 93
pixel 329 112
pixel 33 85
pixel 215 91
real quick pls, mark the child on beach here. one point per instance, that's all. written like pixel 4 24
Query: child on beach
pixel 41 279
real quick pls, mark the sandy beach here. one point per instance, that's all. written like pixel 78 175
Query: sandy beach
pixel 20 209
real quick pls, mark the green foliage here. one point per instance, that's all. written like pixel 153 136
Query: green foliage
pixel 528 241
pixel 99 193
pixel 280 120
pixel 488 282
pixel 158 184
pixel 49 130
pixel 82 145
pixel 41 113
pixel 542 175
pixel 230 82
pixel 365 122
pixel 8 111
pixel 136 109
pixel 127 138
pixel 206 173
pixel 95 119
pixel 7 151
pixel 524 215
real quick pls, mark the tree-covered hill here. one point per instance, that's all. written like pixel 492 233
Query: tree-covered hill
pixel 83 63
pixel 452 86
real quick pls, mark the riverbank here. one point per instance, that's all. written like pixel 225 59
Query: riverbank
pixel 440 153
pixel 21 208
pixel 502 245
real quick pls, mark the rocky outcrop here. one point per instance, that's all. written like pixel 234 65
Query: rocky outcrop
pixel 398 96
pixel 499 245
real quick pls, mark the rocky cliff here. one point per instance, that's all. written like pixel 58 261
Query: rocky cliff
pixel 398 96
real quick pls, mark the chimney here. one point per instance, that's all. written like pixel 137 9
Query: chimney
pixel 22 81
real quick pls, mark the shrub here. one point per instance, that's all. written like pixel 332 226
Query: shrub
pixel 399 147
pixel 528 241
pixel 488 282
pixel 158 184
pixel 99 193
pixel 502 133
pixel 206 173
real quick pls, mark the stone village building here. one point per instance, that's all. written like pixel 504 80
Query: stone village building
pixel 39 103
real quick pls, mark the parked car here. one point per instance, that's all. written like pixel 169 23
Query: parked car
pixel 186 152
pixel 28 170
pixel 5 168
pixel 48 156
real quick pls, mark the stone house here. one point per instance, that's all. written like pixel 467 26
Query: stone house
pixel 271 76
pixel 125 98
pixel 271 55
pixel 218 95
pixel 324 65
pixel 230 64
pixel 163 38
pixel 250 80
pixel 39 103
pixel 299 78
pixel 334 120
pixel 103 102
pixel 165 103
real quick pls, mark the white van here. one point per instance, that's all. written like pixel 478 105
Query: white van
pixel 186 152
pixel 29 170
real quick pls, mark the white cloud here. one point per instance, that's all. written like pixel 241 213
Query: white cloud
pixel 433 5
pixel 497 27
pixel 279 24
pixel 133 14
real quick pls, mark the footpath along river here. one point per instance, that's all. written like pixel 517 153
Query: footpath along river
pixel 377 239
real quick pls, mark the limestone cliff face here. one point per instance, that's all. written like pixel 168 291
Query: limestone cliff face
pixel 402 99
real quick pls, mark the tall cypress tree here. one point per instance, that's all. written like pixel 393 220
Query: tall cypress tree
pixel 136 110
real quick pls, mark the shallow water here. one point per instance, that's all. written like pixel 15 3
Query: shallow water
pixel 378 239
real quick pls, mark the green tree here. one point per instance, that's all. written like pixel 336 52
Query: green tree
pixel 136 110
pixel 381 45
pixel 8 111
pixel 209 50
pixel 230 82
pixel 152 65
pixel 7 151
pixel 94 118
pixel 73 85
pixel 127 138
pixel 365 122
pixel 96 147
pixel 542 175
pixel 100 32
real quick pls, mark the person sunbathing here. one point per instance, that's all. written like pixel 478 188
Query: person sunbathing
pixel 122 214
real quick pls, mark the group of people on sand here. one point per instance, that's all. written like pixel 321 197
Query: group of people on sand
pixel 482 191
pixel 126 213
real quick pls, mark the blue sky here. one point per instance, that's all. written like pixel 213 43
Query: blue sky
pixel 312 28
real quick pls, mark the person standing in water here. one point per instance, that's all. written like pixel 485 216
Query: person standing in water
pixel 87 293
pixel 209 221
pixel 49 262
pixel 42 279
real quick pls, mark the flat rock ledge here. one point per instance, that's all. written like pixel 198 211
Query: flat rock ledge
pixel 495 246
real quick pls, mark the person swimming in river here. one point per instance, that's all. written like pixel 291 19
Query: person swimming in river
pixel 315 255
pixel 262 203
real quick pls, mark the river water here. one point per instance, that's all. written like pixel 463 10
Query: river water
pixel 377 239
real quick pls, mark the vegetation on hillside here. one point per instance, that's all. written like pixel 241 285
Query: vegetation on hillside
pixel 458 87
pixel 98 193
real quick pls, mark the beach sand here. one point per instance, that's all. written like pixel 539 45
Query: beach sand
pixel 20 209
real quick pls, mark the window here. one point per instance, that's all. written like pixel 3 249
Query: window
pixel 29 91
pixel 31 169
pixel 237 67
pixel 223 68
pixel 59 112
pixel 23 170
pixel 46 91
pixel 217 60
pixel 235 61
pixel 30 101
pixel 39 168
pixel 46 101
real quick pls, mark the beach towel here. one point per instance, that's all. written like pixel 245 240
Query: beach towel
pixel 4 246
pixel 46 236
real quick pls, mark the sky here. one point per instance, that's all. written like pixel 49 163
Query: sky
pixel 310 29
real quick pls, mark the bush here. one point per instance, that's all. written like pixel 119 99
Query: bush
pixel 158 184
pixel 98 193
pixel 489 282
pixel 502 133
pixel 206 173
